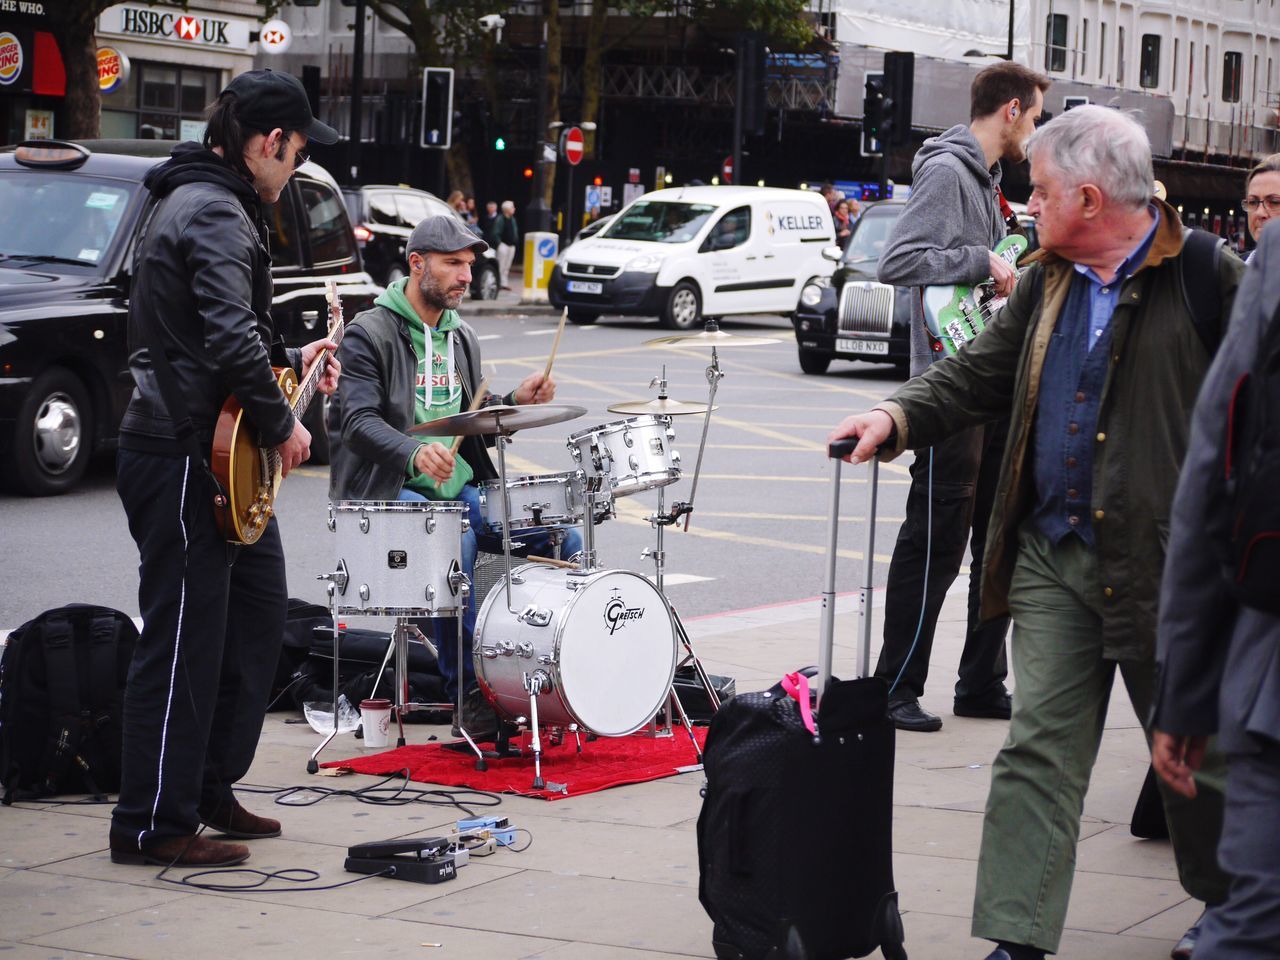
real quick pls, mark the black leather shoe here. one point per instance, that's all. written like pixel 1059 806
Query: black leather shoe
pixel 233 820
pixel 1187 945
pixel 194 851
pixel 992 708
pixel 909 715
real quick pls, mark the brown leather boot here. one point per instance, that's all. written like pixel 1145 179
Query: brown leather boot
pixel 236 821
pixel 194 851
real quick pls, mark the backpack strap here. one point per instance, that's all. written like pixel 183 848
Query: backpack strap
pixel 1201 255
pixel 100 725
pixel 62 738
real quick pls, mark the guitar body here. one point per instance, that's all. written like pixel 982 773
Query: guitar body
pixel 955 313
pixel 248 473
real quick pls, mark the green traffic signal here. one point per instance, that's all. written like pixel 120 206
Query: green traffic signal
pixel 499 144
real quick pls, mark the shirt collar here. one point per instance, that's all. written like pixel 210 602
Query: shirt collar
pixel 1137 256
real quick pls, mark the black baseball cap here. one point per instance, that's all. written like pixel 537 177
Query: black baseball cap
pixel 266 99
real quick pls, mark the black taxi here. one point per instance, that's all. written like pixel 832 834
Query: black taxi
pixel 70 216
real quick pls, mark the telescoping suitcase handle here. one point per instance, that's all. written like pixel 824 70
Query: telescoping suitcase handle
pixel 837 452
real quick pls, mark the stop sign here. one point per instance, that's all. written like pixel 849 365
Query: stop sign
pixel 726 170
pixel 571 145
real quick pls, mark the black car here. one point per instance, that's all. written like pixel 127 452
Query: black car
pixel 384 216
pixel 70 214
pixel 853 316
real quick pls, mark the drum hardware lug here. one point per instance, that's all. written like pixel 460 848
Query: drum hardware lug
pixel 489 653
pixel 633 463
pixel 525 649
pixel 339 577
pixel 675 457
pixel 536 509
pixel 466 524
pixel 546 659
pixel 626 437
pixel 574 452
pixel 506 648
pixel 534 616
pixel 430 593
pixel 364 522
pixel 537 682
pixel 364 591
pixel 332 523
pixel 431 524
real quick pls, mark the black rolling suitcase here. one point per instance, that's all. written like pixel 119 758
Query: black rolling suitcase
pixel 794 851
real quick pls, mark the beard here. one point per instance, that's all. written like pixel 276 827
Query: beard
pixel 437 296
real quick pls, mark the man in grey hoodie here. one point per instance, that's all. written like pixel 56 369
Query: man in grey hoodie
pixel 945 235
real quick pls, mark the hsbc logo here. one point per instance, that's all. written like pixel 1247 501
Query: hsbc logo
pixel 181 27
pixel 188 28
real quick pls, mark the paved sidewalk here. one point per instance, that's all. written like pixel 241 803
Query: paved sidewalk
pixel 610 876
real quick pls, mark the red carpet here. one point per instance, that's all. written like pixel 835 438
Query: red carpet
pixel 604 763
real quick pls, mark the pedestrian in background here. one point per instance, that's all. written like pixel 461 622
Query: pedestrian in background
pixel 1262 194
pixel 844 224
pixel 489 224
pixel 507 233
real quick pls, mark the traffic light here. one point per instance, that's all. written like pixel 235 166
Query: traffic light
pixel 899 73
pixel 499 144
pixel 873 114
pixel 597 181
pixel 437 107
pixel 528 173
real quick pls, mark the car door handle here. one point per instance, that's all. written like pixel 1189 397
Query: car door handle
pixel 768 256
pixel 752 257
pixel 310 319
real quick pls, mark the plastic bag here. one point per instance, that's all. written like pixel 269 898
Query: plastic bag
pixel 319 715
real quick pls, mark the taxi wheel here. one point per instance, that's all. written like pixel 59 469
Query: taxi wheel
pixel 583 317
pixel 53 436
pixel 486 285
pixel 813 362
pixel 683 309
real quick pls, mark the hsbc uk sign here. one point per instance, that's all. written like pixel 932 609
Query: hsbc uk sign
pixel 177 27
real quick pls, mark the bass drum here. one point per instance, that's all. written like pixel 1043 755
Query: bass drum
pixel 604 643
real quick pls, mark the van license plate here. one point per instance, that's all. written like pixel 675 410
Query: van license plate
pixel 585 286
pixel 879 348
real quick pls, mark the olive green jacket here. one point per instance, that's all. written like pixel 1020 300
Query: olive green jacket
pixel 1157 363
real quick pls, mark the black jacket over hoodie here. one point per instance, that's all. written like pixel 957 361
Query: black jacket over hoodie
pixel 202 287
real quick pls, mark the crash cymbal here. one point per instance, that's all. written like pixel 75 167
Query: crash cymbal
pixel 709 338
pixel 661 405
pixel 499 418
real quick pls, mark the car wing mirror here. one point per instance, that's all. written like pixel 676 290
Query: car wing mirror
pixel 832 253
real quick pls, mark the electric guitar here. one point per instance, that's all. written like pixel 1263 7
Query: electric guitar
pixel 956 313
pixel 249 474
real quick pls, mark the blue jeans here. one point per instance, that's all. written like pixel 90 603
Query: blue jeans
pixel 444 631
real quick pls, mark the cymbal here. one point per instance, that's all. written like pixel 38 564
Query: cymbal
pixel 499 418
pixel 709 338
pixel 661 405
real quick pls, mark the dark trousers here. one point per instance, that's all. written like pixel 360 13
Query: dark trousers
pixel 965 470
pixel 202 671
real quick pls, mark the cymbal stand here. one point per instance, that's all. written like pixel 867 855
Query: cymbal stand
pixel 506 513
pixel 714 376
pixel 313 765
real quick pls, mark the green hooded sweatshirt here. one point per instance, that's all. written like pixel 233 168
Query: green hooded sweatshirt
pixel 438 390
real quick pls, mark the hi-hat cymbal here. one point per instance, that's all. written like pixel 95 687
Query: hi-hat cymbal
pixel 709 338
pixel 661 405
pixel 499 418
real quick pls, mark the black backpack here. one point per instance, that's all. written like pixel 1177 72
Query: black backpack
pixel 62 680
pixel 1248 529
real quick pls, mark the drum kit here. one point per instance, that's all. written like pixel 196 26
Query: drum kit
pixel 570 646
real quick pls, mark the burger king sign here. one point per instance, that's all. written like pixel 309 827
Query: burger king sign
pixel 10 58
pixel 113 69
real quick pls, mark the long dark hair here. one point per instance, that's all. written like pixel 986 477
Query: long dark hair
pixel 224 129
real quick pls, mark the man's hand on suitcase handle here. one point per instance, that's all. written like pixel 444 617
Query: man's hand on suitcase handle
pixel 871 430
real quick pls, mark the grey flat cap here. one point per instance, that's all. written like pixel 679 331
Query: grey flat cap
pixel 443 234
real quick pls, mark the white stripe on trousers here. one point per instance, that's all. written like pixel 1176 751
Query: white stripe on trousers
pixel 177 643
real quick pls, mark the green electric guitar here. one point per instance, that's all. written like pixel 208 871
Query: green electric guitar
pixel 956 313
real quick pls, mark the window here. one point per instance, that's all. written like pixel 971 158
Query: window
pixel 1055 42
pixel 327 229
pixel 382 209
pixel 1174 75
pixel 1084 47
pixel 60 215
pixel 1231 81
pixel 1119 56
pixel 658 221
pixel 162 102
pixel 1206 69
pixel 412 209
pixel 1149 65
pixel 1102 47
pixel 732 231
pixel 282 232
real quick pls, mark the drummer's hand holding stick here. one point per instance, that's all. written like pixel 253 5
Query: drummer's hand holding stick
pixel 476 402
pixel 535 388
pixel 435 460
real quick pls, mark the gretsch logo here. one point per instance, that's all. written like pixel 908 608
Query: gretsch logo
pixel 617 614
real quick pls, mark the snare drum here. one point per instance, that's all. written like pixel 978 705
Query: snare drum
pixel 551 499
pixel 604 643
pixel 628 456
pixel 401 558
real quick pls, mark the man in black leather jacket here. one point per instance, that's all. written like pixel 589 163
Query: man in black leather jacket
pixel 213 614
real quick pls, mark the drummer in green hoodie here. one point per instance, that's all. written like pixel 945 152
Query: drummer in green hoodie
pixel 412 360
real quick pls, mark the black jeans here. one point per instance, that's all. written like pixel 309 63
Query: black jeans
pixel 966 468
pixel 202 671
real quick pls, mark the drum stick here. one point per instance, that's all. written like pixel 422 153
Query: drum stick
pixel 552 562
pixel 475 405
pixel 555 344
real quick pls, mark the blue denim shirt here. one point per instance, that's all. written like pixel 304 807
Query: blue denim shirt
pixel 1072 380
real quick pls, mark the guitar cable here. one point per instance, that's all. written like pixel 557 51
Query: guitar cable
pixel 924 592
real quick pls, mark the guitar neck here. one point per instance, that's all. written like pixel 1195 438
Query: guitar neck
pixel 306 391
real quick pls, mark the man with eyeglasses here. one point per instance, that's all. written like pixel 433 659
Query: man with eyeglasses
pixel 1262 189
pixel 412 360
pixel 213 614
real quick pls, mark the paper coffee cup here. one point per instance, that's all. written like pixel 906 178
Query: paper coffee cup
pixel 375 716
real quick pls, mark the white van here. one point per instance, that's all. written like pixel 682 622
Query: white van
pixel 693 252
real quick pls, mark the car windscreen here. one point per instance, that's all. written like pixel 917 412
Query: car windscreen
pixel 871 234
pixel 59 218
pixel 660 221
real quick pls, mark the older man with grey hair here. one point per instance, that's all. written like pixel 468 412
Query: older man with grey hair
pixel 1097 362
